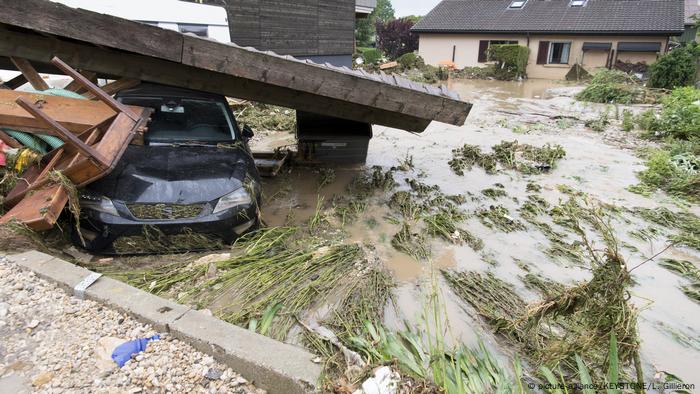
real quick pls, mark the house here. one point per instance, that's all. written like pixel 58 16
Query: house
pixel 320 30
pixel 559 33
pixel 692 8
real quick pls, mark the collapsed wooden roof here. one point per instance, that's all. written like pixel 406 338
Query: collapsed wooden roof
pixel 37 30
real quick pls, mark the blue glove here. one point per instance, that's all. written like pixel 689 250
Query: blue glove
pixel 123 352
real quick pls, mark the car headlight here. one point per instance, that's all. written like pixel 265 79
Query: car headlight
pixel 238 197
pixel 98 203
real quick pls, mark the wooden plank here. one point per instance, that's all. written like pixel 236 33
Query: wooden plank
pixel 100 29
pixel 94 89
pixel 75 115
pixel 65 134
pixel 75 86
pixel 108 62
pixel 319 83
pixel 40 210
pixel 115 87
pixel 30 73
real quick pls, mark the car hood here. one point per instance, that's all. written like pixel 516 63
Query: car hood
pixel 174 175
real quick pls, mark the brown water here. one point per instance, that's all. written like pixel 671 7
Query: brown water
pixel 598 164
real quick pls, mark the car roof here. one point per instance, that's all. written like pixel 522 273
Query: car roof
pixel 156 90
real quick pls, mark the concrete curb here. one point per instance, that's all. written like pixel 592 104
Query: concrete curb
pixel 271 365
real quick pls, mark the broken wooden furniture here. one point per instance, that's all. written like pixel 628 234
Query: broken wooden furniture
pixel 95 135
pixel 117 48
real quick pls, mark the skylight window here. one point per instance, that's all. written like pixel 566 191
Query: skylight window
pixel 577 3
pixel 517 4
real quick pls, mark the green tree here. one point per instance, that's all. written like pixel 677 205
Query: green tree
pixel 365 29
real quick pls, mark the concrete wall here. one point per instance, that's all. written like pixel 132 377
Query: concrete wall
pixel 438 47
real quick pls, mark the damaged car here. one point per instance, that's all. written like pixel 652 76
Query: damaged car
pixel 192 174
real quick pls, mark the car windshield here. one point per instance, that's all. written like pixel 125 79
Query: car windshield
pixel 182 120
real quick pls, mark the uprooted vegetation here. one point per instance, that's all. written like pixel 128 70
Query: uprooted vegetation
pixel 264 117
pixel 571 323
pixel 617 87
pixel 508 155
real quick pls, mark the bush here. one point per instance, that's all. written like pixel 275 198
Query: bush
pixel 676 68
pixel 680 116
pixel 647 120
pixel 610 86
pixel 511 60
pixel 372 56
pixel 395 38
pixel 410 60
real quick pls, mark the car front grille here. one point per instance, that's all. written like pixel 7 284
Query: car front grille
pixel 165 211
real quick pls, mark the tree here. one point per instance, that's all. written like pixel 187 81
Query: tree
pixel 365 30
pixel 394 37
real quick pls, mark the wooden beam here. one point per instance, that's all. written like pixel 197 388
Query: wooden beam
pixel 9 141
pixel 30 73
pixel 75 115
pixel 68 137
pixel 75 86
pixel 109 62
pixel 94 89
pixel 92 27
pixel 373 94
pixel 115 87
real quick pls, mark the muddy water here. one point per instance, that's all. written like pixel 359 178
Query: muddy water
pixel 508 111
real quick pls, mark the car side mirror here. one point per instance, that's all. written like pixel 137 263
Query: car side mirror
pixel 247 132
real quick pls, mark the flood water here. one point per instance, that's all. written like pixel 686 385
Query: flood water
pixel 601 165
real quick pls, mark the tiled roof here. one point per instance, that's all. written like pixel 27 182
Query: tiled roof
pixel 597 16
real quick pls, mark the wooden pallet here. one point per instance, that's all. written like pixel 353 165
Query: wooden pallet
pixel 86 156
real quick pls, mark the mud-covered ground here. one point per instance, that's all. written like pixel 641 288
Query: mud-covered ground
pixel 600 164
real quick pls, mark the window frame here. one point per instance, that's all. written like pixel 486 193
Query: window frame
pixel 511 7
pixel 488 45
pixel 182 27
pixel 550 51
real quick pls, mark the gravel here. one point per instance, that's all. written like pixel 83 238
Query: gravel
pixel 51 344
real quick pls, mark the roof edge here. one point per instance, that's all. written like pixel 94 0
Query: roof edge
pixel 562 32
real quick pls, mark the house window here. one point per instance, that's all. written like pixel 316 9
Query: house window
pixel 517 4
pixel 577 3
pixel 559 53
pixel 198 30
pixel 484 48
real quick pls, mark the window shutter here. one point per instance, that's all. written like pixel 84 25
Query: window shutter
pixel 483 47
pixel 543 52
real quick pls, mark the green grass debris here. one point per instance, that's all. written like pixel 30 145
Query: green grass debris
pixel 612 86
pixel 412 243
pixel 495 192
pixel 509 155
pixel 497 216
pixel 686 224
pixel 687 270
pixel 573 321
pixel 266 267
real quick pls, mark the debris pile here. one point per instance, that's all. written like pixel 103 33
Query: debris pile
pixel 58 142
